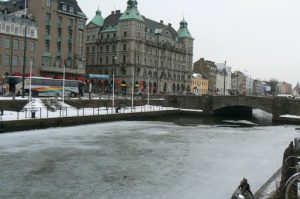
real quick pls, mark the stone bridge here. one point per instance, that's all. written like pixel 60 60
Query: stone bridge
pixel 217 104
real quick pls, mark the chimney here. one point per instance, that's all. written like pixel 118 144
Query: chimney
pixel 118 11
pixel 161 21
pixel 169 24
pixel 112 12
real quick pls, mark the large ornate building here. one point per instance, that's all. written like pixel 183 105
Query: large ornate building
pixel 139 52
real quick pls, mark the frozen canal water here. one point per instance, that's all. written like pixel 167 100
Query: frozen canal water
pixel 139 160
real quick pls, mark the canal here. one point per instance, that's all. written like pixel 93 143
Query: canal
pixel 178 158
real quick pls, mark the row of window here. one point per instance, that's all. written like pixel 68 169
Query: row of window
pixel 201 83
pixel 15 29
pixel 15 60
pixel 63 7
pixel 17 44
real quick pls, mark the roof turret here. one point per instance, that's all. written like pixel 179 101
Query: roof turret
pixel 183 31
pixel 98 20
pixel 132 11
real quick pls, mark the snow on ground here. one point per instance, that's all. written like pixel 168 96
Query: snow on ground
pixel 41 111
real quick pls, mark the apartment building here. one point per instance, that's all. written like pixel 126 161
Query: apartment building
pixel 60 37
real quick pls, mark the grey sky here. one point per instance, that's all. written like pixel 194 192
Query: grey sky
pixel 259 36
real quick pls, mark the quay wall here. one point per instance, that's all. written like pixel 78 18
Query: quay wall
pixel 21 125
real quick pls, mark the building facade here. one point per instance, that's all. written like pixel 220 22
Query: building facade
pixel 139 52
pixel 208 69
pixel 199 85
pixel 13 28
pixel 61 35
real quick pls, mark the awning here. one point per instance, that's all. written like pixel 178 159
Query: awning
pixel 58 76
pixel 80 78
pixel 28 74
pixel 17 74
pixel 46 75
pixel 69 77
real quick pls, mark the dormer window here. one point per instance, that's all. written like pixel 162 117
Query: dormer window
pixel 64 7
pixel 71 9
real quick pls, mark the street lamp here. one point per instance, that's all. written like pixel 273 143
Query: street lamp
pixel 30 75
pixel 64 73
pixel 113 86
pixel 24 53
pixel 183 67
pixel 225 72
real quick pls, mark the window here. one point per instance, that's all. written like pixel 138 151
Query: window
pixel 114 48
pixel 64 7
pixel 107 48
pixel 101 49
pixel 47 46
pixel 60 20
pixel 124 47
pixel 71 9
pixel 16 30
pixel 125 34
pixel 48 3
pixel 0 43
pixel 106 58
pixel 46 61
pixel 7 28
pixel 48 18
pixel 16 44
pixel 32 46
pixel 15 60
pixel 7 60
pixel 32 33
pixel 71 22
pixel 7 43
pixel 124 59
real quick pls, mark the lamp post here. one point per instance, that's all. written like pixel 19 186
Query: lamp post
pixel 24 53
pixel 64 73
pixel 225 72
pixel 30 74
pixel 148 91
pixel 113 86
pixel 183 68
pixel 113 91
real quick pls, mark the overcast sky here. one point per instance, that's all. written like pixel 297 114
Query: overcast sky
pixel 257 36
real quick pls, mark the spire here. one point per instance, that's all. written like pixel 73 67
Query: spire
pixel 98 20
pixel 183 31
pixel 131 11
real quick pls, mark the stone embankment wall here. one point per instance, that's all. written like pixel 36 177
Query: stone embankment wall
pixel 20 125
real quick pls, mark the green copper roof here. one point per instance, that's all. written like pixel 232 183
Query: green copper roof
pixel 183 31
pixel 98 20
pixel 131 11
